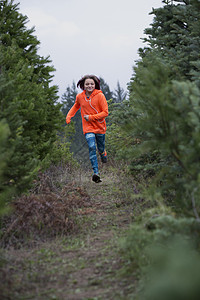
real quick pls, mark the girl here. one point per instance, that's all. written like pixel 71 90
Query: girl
pixel 94 109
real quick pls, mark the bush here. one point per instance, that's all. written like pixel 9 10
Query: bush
pixel 59 154
pixel 163 253
pixel 156 231
pixel 174 274
pixel 50 209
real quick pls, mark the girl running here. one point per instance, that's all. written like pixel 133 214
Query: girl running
pixel 94 109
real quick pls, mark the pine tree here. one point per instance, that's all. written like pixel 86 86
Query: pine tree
pixel 175 33
pixel 119 94
pixel 77 139
pixel 105 89
pixel 68 98
pixel 5 153
pixel 164 116
pixel 164 96
pixel 28 102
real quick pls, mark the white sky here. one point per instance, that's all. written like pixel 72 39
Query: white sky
pixel 90 36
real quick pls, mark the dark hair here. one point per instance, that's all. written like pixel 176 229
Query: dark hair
pixel 82 81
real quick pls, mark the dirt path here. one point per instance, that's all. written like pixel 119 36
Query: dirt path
pixel 86 265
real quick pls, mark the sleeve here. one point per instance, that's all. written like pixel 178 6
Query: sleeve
pixel 103 109
pixel 73 111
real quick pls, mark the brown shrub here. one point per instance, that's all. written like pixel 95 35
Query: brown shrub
pixel 45 212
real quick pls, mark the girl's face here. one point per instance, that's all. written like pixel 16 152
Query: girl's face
pixel 89 86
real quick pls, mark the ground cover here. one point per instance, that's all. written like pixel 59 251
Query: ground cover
pixel 85 264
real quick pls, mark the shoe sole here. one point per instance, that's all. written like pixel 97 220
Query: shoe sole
pixel 96 178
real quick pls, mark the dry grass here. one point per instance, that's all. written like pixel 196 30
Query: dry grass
pixel 49 209
pixel 74 254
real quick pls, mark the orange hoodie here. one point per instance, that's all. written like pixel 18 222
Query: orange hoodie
pixel 97 109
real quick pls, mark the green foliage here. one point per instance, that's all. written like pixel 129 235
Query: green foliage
pixel 78 143
pixel 164 251
pixel 60 153
pixel 105 89
pixel 68 98
pixel 175 273
pixel 154 232
pixel 162 247
pixel 175 32
pixel 28 102
pixel 165 100
pixel 117 140
pixel 167 121
pixel 5 153
pixel 119 94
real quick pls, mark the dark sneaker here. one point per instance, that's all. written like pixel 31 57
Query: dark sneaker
pixel 96 178
pixel 103 157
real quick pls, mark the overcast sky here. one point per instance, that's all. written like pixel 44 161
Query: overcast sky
pixel 90 36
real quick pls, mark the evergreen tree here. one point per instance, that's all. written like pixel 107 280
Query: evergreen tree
pixel 28 102
pixel 68 98
pixel 5 154
pixel 165 118
pixel 105 89
pixel 78 142
pixel 164 97
pixel 119 94
pixel 175 33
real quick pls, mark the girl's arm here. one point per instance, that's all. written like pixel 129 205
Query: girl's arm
pixel 103 108
pixel 72 111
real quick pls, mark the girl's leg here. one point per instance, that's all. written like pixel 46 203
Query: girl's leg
pixel 90 137
pixel 100 139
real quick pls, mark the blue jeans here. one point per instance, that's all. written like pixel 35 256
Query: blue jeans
pixel 92 139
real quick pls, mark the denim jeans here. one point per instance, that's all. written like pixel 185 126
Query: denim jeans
pixel 92 140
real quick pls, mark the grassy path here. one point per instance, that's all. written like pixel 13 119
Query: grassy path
pixel 86 265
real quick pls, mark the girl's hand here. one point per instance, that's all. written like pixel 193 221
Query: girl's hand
pixel 68 120
pixel 86 117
